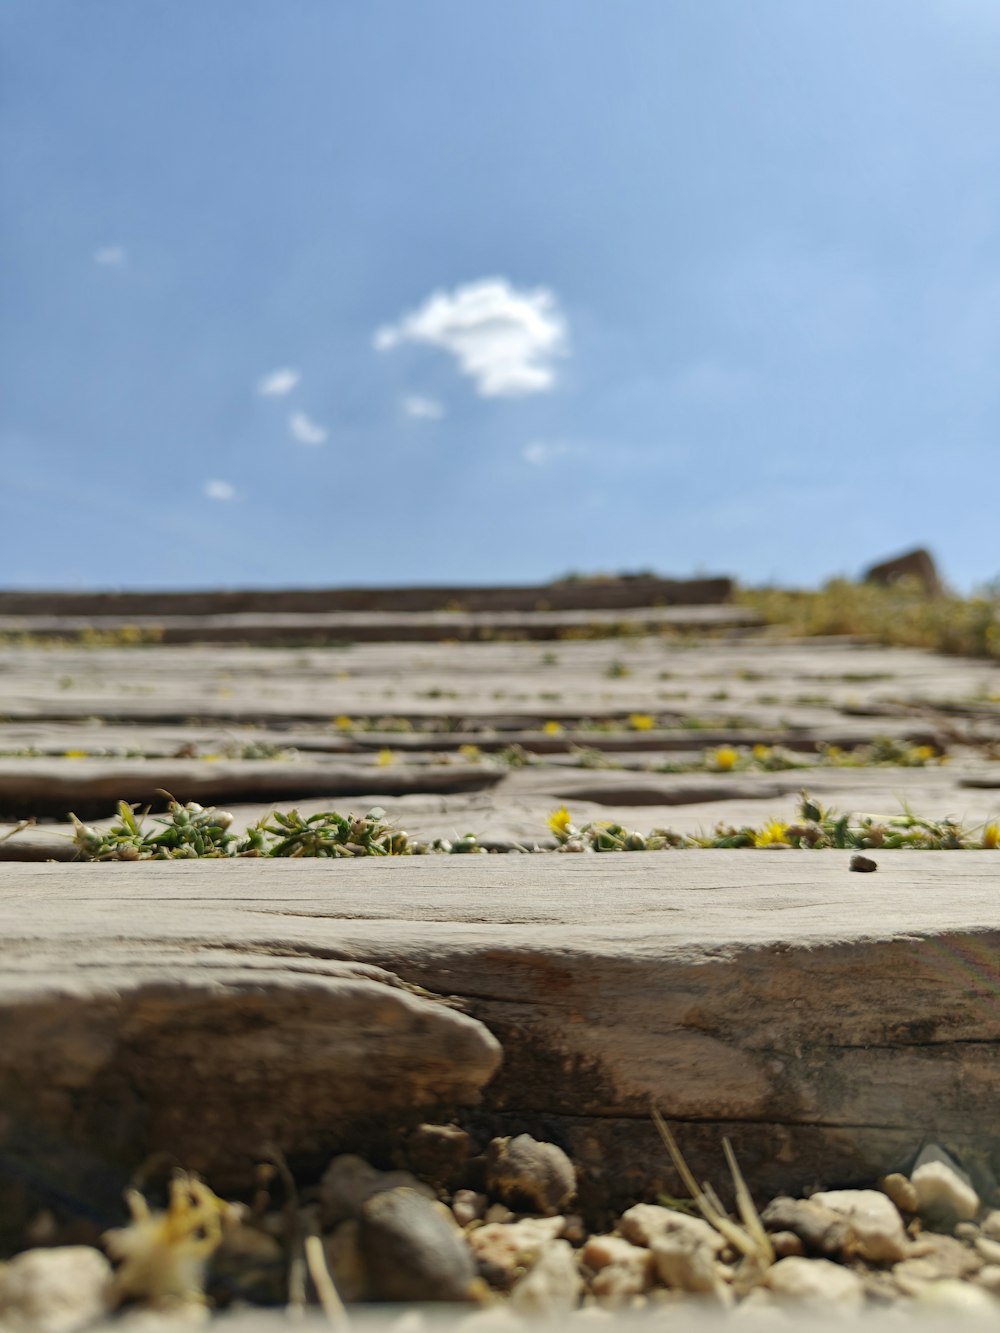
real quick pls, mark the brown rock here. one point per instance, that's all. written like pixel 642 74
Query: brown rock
pixel 349 1182
pixel 412 1253
pixel 439 1153
pixel 821 1230
pixel 917 565
pixel 527 1173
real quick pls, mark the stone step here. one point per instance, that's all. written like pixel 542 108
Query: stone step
pixel 827 1022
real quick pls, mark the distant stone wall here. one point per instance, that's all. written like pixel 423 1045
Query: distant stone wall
pixel 571 595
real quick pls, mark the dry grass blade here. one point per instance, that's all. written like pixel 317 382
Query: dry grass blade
pixel 18 828
pixel 751 1241
pixel 322 1280
pixel 747 1207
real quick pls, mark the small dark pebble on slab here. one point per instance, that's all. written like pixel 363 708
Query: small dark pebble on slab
pixel 863 863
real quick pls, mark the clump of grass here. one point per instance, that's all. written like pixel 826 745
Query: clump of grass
pixel 813 828
pixel 901 615
pixel 587 757
pixel 191 830
pixel 884 751
pixel 188 831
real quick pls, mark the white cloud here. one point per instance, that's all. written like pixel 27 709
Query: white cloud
pixel 424 409
pixel 220 490
pixel 305 430
pixel 502 338
pixel 279 382
pixel 542 452
pixel 111 256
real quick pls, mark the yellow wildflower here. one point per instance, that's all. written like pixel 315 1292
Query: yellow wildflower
pixel 991 836
pixel 724 758
pixel 641 721
pixel 210 758
pixel 761 753
pixel 552 728
pixel 923 754
pixel 772 834
pixel 561 824
pixel 343 723
pixel 75 754
pixel 385 758
pixel 470 753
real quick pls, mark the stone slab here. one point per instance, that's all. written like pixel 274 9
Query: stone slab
pixel 828 1022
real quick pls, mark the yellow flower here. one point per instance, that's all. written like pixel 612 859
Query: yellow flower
pixel 641 721
pixel 724 758
pixel 561 824
pixel 75 754
pixel 343 723
pixel 923 754
pixel 761 753
pixel 552 728
pixel 773 833
pixel 991 836
pixel 385 758
pixel 210 758
pixel 470 753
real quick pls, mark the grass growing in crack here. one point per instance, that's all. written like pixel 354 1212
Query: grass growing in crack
pixel 814 828
pixel 191 830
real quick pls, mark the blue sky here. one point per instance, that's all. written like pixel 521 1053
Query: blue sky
pixel 351 291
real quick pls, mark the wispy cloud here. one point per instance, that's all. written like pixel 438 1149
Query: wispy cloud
pixel 220 490
pixel 305 430
pixel 279 382
pixel 423 409
pixel 503 338
pixel 111 256
pixel 542 452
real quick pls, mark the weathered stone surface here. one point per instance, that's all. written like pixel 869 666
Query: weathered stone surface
pixel 750 995
pixel 50 785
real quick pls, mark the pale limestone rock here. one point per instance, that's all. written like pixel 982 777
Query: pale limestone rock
pixel 900 1191
pixel 952 1294
pixel 349 1181
pixel 816 1282
pixel 988 1249
pixel 621 1270
pixel 523 1170
pixel 989 1279
pixel 644 1222
pixel 879 1235
pixel 688 1263
pixel 502 1248
pixel 468 1206
pixel 54 1291
pixel 942 1190
pixel 552 1287
pixel 990 1225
